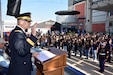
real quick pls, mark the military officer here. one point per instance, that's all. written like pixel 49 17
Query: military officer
pixel 20 44
pixel 103 55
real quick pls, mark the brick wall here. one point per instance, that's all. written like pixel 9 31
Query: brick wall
pixel 98 27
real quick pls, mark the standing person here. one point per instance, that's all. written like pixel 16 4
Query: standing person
pixel 75 46
pixel 20 44
pixel 88 48
pixel 103 55
pixel 69 47
pixel 4 61
pixel 80 46
pixel 65 44
pixel 95 48
pixel 108 46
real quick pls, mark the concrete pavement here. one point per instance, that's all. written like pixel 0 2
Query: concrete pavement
pixel 87 66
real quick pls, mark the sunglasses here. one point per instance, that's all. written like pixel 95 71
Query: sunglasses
pixel 27 20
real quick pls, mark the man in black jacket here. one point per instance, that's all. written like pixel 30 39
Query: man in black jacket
pixel 20 44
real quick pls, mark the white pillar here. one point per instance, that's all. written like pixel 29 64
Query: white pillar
pixel 88 16
pixel 107 28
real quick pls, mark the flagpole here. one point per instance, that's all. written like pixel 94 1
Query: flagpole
pixel 1 31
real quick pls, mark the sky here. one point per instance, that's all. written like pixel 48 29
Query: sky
pixel 41 10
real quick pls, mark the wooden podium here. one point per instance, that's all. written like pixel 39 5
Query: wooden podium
pixel 54 66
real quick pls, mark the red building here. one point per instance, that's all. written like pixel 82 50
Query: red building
pixel 98 18
pixel 81 8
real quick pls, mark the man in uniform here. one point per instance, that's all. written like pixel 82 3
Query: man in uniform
pixel 20 45
pixel 103 55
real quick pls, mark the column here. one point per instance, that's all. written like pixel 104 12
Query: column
pixel 88 16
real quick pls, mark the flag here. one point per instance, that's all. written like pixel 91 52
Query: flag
pixel 13 7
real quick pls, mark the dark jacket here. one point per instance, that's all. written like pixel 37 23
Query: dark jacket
pixel 103 53
pixel 20 45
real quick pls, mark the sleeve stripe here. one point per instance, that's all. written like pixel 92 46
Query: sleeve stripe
pixel 18 31
pixel 30 41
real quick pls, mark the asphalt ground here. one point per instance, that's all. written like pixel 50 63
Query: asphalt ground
pixel 82 66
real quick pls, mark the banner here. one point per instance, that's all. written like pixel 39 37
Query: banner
pixel 13 7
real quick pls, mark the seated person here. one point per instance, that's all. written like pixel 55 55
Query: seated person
pixel 4 62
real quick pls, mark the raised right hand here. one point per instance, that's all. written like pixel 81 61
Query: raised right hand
pixel 33 29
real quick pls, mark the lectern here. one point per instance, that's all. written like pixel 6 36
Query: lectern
pixel 53 66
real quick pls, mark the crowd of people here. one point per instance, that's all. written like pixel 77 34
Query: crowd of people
pixel 98 46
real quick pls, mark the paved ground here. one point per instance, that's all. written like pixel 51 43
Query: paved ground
pixel 71 71
pixel 86 67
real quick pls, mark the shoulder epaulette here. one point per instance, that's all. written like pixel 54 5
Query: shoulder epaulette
pixel 18 31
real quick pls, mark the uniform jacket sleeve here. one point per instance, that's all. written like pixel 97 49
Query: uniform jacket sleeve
pixel 23 44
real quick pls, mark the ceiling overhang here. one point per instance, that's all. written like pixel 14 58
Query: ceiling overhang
pixel 107 8
pixel 103 6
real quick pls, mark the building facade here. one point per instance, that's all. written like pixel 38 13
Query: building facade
pixel 104 6
pixel 80 6
pixel 95 15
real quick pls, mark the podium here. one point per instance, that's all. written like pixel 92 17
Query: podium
pixel 53 66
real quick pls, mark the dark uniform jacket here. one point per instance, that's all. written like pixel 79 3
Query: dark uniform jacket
pixel 103 54
pixel 20 45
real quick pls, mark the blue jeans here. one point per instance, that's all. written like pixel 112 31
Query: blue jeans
pixel 87 53
pixel 81 51
pixel 65 48
pixel 94 54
